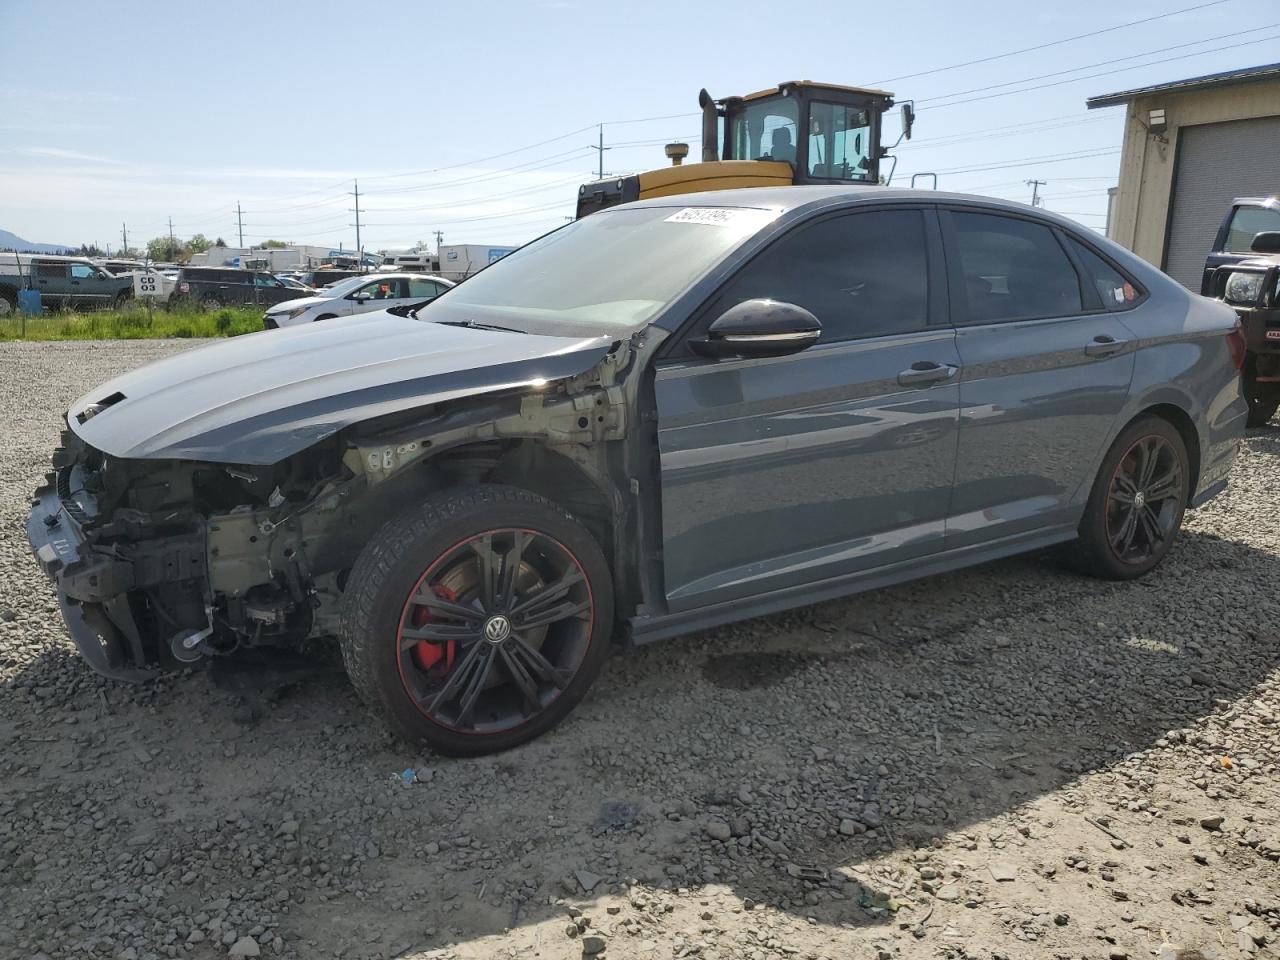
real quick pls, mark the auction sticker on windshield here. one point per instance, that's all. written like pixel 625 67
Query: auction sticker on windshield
pixel 718 216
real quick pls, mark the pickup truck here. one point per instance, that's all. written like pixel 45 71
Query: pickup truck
pixel 1243 269
pixel 63 282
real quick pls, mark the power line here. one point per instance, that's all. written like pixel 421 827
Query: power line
pixel 1032 161
pixel 1103 63
pixel 1052 43
pixel 1104 73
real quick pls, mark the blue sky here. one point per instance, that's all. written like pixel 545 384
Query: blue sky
pixel 475 119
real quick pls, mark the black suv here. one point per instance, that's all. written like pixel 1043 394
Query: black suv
pixel 1243 268
pixel 324 277
pixel 214 287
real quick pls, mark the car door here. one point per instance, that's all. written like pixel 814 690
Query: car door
pixel 88 286
pixel 53 280
pixel 397 293
pixel 784 471
pixel 1046 370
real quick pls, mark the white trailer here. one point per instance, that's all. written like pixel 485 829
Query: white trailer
pixel 460 260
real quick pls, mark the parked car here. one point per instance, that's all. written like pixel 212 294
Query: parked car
pixel 1241 270
pixel 213 287
pixel 356 295
pixel 293 283
pixel 63 282
pixel 665 416
pixel 324 278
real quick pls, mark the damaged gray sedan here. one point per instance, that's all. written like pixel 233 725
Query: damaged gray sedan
pixel 662 417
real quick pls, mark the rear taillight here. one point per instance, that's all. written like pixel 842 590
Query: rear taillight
pixel 1236 344
pixel 184 287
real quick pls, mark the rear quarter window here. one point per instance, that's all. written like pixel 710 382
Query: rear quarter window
pixel 1115 290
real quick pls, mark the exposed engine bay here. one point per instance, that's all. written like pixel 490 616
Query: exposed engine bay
pixel 162 562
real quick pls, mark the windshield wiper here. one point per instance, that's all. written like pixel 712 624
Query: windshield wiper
pixel 474 325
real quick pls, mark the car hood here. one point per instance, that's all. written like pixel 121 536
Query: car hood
pixel 259 398
pixel 286 305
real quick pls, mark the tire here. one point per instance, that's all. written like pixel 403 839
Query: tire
pixel 8 303
pixel 420 576
pixel 1100 550
pixel 210 303
pixel 1263 400
pixel 121 301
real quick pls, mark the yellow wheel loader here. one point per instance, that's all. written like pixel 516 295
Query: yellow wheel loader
pixel 797 132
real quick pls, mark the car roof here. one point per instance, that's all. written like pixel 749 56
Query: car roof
pixel 1256 201
pixel 831 196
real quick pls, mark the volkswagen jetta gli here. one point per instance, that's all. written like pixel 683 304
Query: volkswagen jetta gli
pixel 667 415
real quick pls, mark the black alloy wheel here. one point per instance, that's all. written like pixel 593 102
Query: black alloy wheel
pixel 1136 503
pixel 495 630
pixel 1144 503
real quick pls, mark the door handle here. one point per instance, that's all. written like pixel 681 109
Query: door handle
pixel 924 372
pixel 1104 346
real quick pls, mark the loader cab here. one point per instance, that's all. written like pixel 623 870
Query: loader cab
pixel 796 132
pixel 828 134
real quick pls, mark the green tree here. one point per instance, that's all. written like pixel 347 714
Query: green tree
pixel 165 249
pixel 272 245
pixel 198 244
pixel 219 242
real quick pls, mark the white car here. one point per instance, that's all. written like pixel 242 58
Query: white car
pixel 356 295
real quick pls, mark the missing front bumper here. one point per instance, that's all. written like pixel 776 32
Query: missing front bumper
pixel 98 616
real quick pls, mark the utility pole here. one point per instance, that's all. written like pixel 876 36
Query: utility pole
pixel 124 239
pixel 600 148
pixel 240 224
pixel 359 249
pixel 1035 186
pixel 439 240
pixel 172 243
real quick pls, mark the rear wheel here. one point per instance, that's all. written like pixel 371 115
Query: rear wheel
pixel 477 620
pixel 210 302
pixel 8 303
pixel 1135 508
pixel 1263 398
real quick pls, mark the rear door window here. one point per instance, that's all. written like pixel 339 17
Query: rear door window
pixel 423 288
pixel 860 274
pixel 1011 269
pixel 1247 223
pixel 51 271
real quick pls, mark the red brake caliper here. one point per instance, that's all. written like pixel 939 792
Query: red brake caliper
pixel 435 658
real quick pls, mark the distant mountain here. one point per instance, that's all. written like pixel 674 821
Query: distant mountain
pixel 11 241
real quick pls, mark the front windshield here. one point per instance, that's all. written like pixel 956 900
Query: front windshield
pixel 608 272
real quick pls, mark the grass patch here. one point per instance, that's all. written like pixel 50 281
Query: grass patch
pixel 132 324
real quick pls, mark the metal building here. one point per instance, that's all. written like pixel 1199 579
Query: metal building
pixel 1191 147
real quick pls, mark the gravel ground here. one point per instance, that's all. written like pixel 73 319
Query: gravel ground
pixel 1007 762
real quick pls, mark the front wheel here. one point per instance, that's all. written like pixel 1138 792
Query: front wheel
pixel 208 304
pixel 1263 400
pixel 1135 508
pixel 477 620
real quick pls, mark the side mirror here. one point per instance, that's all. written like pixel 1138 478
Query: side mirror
pixel 361 295
pixel 1268 242
pixel 760 328
pixel 908 118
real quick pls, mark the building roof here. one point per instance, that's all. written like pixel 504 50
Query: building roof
pixel 1269 71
